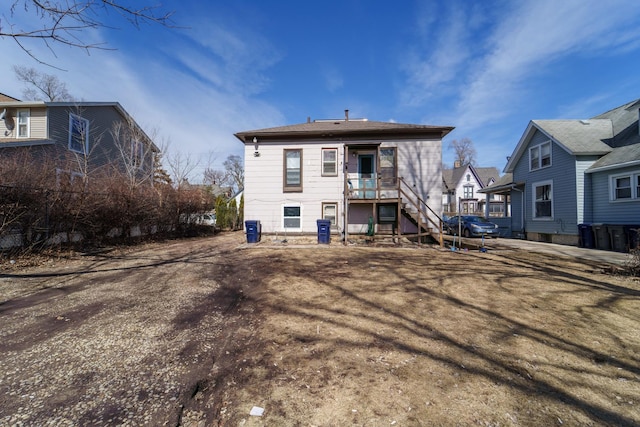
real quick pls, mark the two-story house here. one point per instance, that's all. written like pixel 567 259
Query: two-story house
pixel 366 177
pixel 566 174
pixel 75 137
pixel 461 186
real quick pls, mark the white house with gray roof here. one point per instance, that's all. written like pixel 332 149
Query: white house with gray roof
pixel 570 178
pixel 366 177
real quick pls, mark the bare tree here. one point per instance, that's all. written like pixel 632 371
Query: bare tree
pixel 64 21
pixel 180 167
pixel 464 150
pixel 235 170
pixel 135 153
pixel 41 86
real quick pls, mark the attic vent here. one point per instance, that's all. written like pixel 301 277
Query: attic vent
pixel 585 122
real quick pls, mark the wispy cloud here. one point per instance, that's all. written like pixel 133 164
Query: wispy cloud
pixel 531 37
pixel 332 76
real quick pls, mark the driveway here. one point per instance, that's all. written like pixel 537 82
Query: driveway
pixel 607 257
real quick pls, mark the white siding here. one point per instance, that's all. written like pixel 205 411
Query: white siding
pixel 420 164
pixel 264 195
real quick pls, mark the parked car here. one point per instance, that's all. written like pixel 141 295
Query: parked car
pixel 471 225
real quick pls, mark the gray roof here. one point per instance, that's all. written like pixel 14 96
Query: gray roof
pixel 452 177
pixel 503 184
pixel 579 136
pixel 346 128
pixel 628 155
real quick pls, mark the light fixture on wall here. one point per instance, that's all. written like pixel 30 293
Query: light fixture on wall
pixel 256 153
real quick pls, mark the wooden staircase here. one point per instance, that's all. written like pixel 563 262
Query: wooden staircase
pixel 420 214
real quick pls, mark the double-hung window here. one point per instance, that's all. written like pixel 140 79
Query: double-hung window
pixel 329 162
pixel 23 123
pixel 467 192
pixel 543 200
pixel 78 134
pixel 625 187
pixel 292 170
pixel 540 156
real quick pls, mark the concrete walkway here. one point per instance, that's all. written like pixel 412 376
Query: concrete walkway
pixel 608 257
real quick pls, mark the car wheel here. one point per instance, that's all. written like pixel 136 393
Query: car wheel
pixel 467 233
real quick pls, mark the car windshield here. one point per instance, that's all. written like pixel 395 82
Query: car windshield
pixel 476 219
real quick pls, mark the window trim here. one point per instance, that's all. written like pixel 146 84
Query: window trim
pixel 322 152
pixel 291 205
pixel 534 186
pixel 334 224
pixel 72 118
pixel 634 186
pixel 540 158
pixel 27 125
pixel 288 188
pixel 467 190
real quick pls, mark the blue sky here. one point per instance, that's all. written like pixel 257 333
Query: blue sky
pixel 485 67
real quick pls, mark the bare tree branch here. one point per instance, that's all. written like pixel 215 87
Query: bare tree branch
pixel 465 153
pixel 65 21
pixel 41 86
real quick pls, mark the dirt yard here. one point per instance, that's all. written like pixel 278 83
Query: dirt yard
pixel 199 332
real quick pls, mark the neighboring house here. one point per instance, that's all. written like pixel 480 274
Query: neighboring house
pixel 75 137
pixel 569 173
pixel 364 176
pixel 461 186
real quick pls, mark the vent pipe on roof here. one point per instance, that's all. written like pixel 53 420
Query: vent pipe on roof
pixel 346 115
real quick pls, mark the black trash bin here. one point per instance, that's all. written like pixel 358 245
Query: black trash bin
pixel 618 237
pixel 585 236
pixel 324 231
pixel 253 231
pixel 633 236
pixel 602 237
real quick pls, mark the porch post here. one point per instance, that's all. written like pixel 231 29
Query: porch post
pixel 345 192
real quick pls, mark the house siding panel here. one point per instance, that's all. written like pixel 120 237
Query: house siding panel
pixel 38 122
pixel 583 188
pixel 562 174
pixel 264 195
pixel 420 164
pixel 102 148
pixel 613 212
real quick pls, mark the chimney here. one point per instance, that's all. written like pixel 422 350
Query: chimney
pixel 346 115
pixel 457 164
pixel 308 119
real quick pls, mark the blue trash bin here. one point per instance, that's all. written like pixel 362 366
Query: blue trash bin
pixel 586 239
pixel 324 231
pixel 253 231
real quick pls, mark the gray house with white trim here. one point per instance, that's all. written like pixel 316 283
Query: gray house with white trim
pixel 570 178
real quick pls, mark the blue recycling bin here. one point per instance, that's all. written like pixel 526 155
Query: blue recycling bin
pixel 585 236
pixel 253 231
pixel 324 231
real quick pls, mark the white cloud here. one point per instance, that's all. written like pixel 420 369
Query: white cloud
pixel 195 97
pixel 534 35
